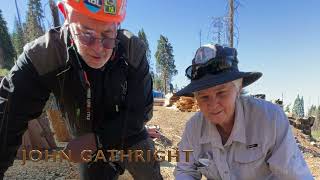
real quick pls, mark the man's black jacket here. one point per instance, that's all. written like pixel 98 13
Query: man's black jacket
pixel 49 65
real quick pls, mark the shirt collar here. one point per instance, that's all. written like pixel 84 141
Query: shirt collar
pixel 209 132
pixel 239 132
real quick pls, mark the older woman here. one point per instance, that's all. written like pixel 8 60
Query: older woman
pixel 234 137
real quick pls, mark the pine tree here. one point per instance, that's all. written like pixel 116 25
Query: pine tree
pixel 34 20
pixel 165 61
pixel 316 125
pixel 142 35
pixel 301 108
pixel 158 83
pixel 18 37
pixel 298 107
pixel 312 111
pixel 295 108
pixel 54 13
pixel 287 109
pixel 7 51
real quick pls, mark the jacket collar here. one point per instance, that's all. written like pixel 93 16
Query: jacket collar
pixel 65 34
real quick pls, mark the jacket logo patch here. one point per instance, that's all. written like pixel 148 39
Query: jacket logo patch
pixel 252 146
pixel 110 7
pixel 93 5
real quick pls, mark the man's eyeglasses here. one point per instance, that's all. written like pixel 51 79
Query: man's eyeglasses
pixel 213 66
pixel 88 39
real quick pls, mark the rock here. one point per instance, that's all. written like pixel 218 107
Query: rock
pixel 60 178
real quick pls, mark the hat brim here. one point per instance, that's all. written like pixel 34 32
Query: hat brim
pixel 211 80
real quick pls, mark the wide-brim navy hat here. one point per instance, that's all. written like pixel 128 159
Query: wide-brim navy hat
pixel 214 65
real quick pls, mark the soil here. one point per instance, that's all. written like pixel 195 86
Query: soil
pixel 172 123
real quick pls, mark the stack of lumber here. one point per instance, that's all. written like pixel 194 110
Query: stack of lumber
pixel 187 104
pixel 38 136
pixel 57 122
pixel 303 124
pixel 58 125
pixel 158 101
pixel 195 107
pixel 173 99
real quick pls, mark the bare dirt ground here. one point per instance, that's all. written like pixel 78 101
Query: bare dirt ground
pixel 172 123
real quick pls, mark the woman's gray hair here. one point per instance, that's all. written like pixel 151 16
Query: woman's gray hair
pixel 238 84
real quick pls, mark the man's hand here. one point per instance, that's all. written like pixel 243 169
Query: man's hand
pixel 153 132
pixel 77 145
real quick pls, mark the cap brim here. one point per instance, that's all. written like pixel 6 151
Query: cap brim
pixel 210 80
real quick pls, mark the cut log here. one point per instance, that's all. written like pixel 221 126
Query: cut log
pixel 58 124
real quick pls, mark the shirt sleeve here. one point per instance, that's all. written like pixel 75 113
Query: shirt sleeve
pixel 286 161
pixel 148 96
pixel 186 170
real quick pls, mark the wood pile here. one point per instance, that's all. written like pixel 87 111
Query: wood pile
pixel 172 100
pixel 58 125
pixel 57 122
pixel 303 124
pixel 187 104
pixel 38 136
pixel 158 101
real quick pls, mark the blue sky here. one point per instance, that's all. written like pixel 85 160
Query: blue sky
pixel 281 39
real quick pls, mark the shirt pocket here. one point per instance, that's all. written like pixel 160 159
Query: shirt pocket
pixel 210 171
pixel 249 163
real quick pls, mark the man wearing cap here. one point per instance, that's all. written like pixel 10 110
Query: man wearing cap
pixel 233 136
pixel 100 78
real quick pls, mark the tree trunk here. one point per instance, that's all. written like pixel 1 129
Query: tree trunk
pixel 165 83
pixel 54 13
pixel 1 58
pixel 231 14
